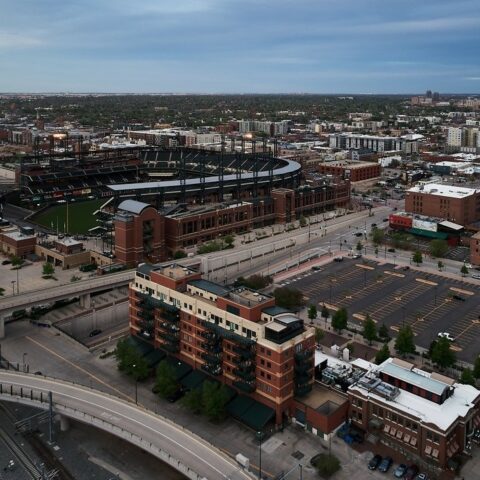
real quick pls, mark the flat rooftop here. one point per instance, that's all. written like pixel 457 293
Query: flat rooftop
pixel 323 398
pixel 17 235
pixel 443 190
pixel 247 297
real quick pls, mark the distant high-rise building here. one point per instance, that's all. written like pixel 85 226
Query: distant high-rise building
pixel 436 96
pixel 429 94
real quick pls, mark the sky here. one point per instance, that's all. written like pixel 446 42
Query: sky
pixel 247 46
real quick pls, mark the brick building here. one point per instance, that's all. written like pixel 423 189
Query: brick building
pixel 456 204
pixel 350 169
pixel 235 335
pixel 475 249
pixel 139 233
pixel 426 416
pixel 16 243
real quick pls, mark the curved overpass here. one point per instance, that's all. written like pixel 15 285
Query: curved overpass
pixel 171 443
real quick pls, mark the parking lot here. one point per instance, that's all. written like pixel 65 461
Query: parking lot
pixel 395 296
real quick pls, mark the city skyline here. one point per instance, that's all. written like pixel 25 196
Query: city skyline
pixel 212 46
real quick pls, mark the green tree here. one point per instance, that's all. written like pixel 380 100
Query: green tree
pixel 16 261
pixel 214 400
pixel 438 248
pixel 340 319
pixel 312 313
pixel 325 312
pixel 124 354
pixel 289 298
pixel 193 400
pixel 476 368
pixel 303 221
pixel 229 239
pixel 378 236
pixel 464 270
pixel 2 292
pixel 383 354
pixel 326 464
pixel 369 329
pixel 383 331
pixel 165 382
pixel 440 265
pixel 319 334
pixel 255 282
pixel 417 257
pixel 179 254
pixel 467 377
pixel 139 368
pixel 48 269
pixel 359 246
pixel 404 342
pixel 442 354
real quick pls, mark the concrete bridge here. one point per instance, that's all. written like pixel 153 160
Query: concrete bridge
pixel 189 454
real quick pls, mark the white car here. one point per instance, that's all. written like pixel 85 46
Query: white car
pixel 446 335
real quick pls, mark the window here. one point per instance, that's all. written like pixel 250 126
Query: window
pixel 269 365
pixel 269 377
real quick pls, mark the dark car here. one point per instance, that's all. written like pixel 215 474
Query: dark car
pixel 458 297
pixel 399 472
pixel 38 373
pixel 405 268
pixel 358 234
pixel 385 464
pixel 412 471
pixel 385 220
pixel 6 262
pixel 374 462
pixel 95 332
pixel 338 259
pixel 391 250
pixel 176 395
pixel 374 225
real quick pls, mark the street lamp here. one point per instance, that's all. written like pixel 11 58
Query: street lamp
pixel 260 438
pixel 134 366
pixel 24 364
pixel 13 287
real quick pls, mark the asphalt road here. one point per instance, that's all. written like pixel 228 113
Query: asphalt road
pixel 193 452
pixel 394 296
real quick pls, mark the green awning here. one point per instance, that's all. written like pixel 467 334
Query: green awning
pixel 257 416
pixel 193 380
pixel 154 357
pixel 140 345
pixel 239 405
pixel 180 368
pixel 428 233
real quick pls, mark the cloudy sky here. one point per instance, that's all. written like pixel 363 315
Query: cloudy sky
pixel 210 46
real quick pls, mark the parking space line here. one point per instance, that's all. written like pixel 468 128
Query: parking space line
pixel 427 282
pixel 460 290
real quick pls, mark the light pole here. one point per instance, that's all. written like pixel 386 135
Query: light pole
pixel 260 438
pixel 13 287
pixel 24 363
pixel 18 283
pixel 134 366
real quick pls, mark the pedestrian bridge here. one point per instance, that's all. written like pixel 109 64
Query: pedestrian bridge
pixel 189 454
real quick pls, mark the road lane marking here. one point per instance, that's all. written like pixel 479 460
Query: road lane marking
pixel 91 375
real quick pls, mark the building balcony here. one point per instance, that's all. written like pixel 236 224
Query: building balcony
pixel 211 358
pixel 145 314
pixel 303 356
pixel 170 347
pixel 227 334
pixel 304 367
pixel 244 353
pixel 247 387
pixel 212 347
pixel 144 305
pixel 170 337
pixel 246 375
pixel 302 377
pixel 214 370
pixel 302 390
pixel 168 327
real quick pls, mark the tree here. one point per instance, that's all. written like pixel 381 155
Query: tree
pixel 376 251
pixel 165 382
pixel 2 292
pixel 464 270
pixel 193 400
pixel 312 313
pixel 476 368
pixel 139 368
pixel 325 312
pixel 442 354
pixel 48 269
pixel 417 257
pixel 214 400
pixel 359 246
pixel 383 354
pixel 438 248
pixel 303 221
pixel 383 331
pixel 179 254
pixel 326 464
pixel 440 265
pixel 229 239
pixel 16 261
pixel 467 377
pixel 319 334
pixel 340 319
pixel 289 298
pixel 404 342
pixel 255 282
pixel 378 236
pixel 369 329
pixel 123 354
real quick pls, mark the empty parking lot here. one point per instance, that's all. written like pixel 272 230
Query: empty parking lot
pixel 430 303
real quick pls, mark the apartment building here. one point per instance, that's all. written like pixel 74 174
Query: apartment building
pixel 426 416
pixel 456 204
pixel 405 143
pixel 235 335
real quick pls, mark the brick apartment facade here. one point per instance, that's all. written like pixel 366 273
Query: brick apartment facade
pixel 425 416
pixel 352 170
pixel 235 335
pixel 456 204
pixel 17 244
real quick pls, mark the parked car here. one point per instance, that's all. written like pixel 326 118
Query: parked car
pixel 385 464
pixel 358 234
pixel 405 268
pixel 399 472
pixel 458 297
pixel 374 462
pixel 411 472
pixel 316 268
pixel 95 332
pixel 374 225
pixel 391 250
pixel 446 335
pixel 338 259
pixel 476 276
pixel 176 395
pixel 421 476
pixel 6 262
